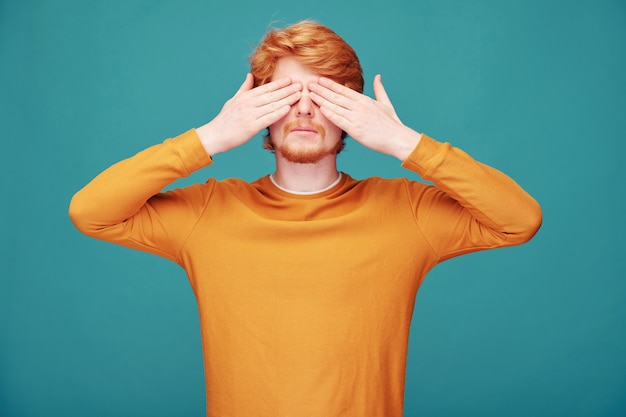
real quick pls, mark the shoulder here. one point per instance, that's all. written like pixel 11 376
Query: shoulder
pixel 381 184
pixel 208 188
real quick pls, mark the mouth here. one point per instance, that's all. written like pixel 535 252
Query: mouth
pixel 303 129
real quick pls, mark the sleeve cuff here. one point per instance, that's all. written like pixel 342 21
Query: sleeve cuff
pixel 191 152
pixel 427 155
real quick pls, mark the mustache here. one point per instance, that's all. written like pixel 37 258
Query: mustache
pixel 291 125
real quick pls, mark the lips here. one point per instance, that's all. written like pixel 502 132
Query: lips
pixel 304 129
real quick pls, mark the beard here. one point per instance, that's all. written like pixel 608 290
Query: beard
pixel 307 153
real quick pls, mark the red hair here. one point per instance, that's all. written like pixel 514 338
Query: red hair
pixel 313 45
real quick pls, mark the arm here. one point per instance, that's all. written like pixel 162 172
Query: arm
pixel 124 204
pixel 473 205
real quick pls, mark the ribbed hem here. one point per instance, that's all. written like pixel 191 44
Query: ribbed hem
pixel 191 152
pixel 426 156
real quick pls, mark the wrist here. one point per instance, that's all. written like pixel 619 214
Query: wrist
pixel 406 143
pixel 207 138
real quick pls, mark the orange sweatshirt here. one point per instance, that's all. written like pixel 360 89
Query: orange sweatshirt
pixel 305 301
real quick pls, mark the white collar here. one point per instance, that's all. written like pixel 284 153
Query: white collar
pixel 307 192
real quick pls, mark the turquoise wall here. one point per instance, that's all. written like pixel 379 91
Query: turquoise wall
pixel 535 88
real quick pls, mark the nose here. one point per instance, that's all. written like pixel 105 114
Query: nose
pixel 304 107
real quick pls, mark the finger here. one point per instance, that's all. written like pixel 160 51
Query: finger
pixel 337 119
pixel 325 97
pixel 339 116
pixel 381 96
pixel 247 85
pixel 276 105
pixel 330 106
pixel 276 95
pixel 273 86
pixel 272 117
pixel 339 89
pixel 379 90
pixel 338 94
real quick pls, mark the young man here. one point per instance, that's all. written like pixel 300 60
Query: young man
pixel 306 278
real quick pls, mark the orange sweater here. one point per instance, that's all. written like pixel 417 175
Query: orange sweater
pixel 305 301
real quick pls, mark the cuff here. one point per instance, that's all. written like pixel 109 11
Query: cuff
pixel 191 152
pixel 427 155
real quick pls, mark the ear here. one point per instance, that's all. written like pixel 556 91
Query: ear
pixel 268 145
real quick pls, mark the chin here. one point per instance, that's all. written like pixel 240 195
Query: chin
pixel 305 156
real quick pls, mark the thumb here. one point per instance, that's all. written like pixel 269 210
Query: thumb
pixel 247 84
pixel 379 90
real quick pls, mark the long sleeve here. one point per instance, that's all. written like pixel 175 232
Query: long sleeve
pixel 124 203
pixel 471 206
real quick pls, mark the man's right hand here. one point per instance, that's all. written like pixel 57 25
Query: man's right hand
pixel 247 112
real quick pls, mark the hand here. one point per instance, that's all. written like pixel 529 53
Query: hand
pixel 373 123
pixel 247 112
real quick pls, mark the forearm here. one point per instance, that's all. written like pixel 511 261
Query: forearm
pixel 493 199
pixel 121 190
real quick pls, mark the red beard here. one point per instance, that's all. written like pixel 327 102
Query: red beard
pixel 306 153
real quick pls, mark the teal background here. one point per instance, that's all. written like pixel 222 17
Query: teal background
pixel 535 88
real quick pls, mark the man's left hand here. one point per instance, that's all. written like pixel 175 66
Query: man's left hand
pixel 372 122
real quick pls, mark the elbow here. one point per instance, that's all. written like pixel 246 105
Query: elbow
pixel 534 226
pixel 78 213
pixel 529 224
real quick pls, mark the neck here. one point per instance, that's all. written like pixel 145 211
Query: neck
pixel 306 178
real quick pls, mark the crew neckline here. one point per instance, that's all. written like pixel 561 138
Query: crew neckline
pixel 334 183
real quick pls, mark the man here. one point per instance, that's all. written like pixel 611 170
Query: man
pixel 306 278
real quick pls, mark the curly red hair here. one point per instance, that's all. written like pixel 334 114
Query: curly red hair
pixel 313 45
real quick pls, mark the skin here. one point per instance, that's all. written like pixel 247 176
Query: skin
pixel 305 135
pixel 299 98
